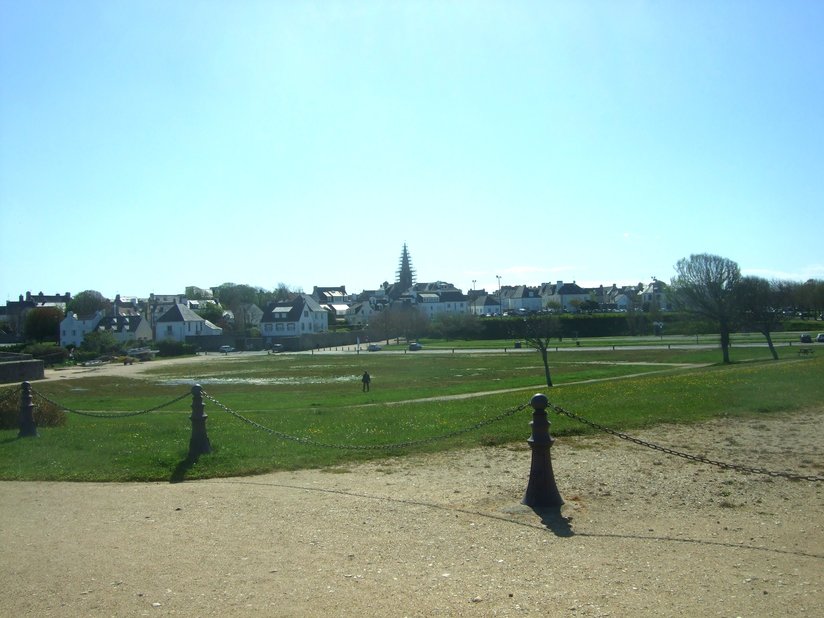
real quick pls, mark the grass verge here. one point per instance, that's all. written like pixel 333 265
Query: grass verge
pixel 416 398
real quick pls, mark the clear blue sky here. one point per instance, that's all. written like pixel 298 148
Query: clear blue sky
pixel 146 146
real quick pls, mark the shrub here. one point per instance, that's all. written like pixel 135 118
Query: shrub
pixel 49 353
pixel 175 348
pixel 45 414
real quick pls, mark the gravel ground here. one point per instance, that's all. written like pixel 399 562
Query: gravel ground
pixel 641 534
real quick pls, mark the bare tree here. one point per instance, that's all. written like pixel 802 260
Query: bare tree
pixel 759 306
pixel 537 331
pixel 705 285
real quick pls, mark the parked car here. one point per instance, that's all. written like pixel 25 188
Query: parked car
pixel 414 347
pixel 277 347
pixel 805 338
pixel 820 338
pixel 373 347
pixel 226 349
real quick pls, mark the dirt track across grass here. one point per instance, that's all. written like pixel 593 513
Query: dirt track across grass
pixel 445 534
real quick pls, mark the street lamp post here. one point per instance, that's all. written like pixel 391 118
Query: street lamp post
pixel 500 299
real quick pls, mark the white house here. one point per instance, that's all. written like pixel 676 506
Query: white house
pixel 301 316
pixel 74 328
pixel 180 322
pixel 655 295
pixel 568 296
pixel 521 298
pixel 485 305
pixel 432 303
pixel 126 328
pixel 359 314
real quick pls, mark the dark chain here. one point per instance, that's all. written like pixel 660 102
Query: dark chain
pixel 365 447
pixel 109 414
pixel 698 458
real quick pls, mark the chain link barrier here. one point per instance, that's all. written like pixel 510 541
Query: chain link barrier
pixel 108 414
pixel 366 447
pixel 423 441
pixel 663 449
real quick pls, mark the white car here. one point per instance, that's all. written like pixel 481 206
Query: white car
pixel 226 349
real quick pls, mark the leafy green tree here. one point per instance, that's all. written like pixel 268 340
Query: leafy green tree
pixel 232 294
pixel 43 324
pixel 705 285
pixel 100 342
pixel 88 302
pixel 210 311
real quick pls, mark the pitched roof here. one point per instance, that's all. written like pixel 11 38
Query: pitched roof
pixel 180 313
pixel 290 311
pixel 120 323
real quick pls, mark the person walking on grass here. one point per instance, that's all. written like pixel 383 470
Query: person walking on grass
pixel 366 380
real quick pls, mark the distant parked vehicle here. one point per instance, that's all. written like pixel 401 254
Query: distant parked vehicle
pixel 226 349
pixel 373 347
pixel 805 338
pixel 277 347
pixel 820 338
pixel 414 347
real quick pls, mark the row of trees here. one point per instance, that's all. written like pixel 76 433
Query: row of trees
pixel 712 287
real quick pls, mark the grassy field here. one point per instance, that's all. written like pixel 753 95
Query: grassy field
pixel 416 397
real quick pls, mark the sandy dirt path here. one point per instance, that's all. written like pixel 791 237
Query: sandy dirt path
pixel 650 535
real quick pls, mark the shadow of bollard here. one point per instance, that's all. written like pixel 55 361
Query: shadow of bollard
pixel 179 473
pixel 551 517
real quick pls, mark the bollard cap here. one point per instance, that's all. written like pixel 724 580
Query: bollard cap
pixel 539 401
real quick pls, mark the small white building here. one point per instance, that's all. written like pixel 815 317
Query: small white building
pixel 567 296
pixel 180 322
pixel 126 328
pixel 74 328
pixel 301 316
pixel 359 314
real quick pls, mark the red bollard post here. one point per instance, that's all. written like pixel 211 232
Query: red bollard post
pixel 25 420
pixel 541 489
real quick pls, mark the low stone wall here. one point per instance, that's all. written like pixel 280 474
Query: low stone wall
pixel 21 370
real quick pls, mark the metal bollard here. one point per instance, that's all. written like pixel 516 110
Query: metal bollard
pixel 28 428
pixel 199 442
pixel 541 489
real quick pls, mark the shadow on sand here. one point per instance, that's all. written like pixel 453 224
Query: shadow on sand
pixel 551 518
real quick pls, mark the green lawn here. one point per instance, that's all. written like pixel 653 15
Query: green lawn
pixel 318 399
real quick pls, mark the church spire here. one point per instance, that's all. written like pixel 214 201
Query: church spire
pixel 405 274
